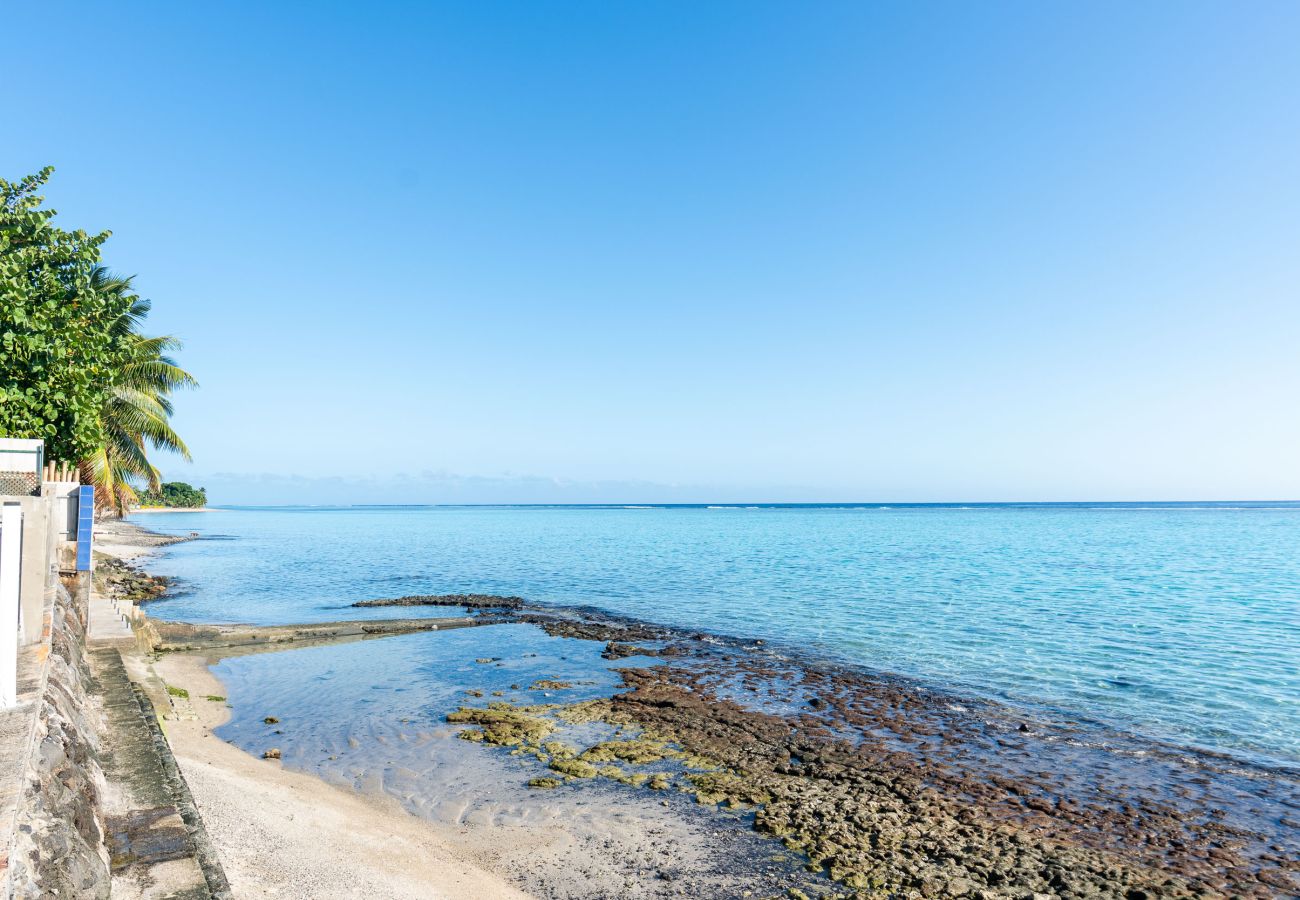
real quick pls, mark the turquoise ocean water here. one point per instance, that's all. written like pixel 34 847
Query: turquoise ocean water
pixel 1180 622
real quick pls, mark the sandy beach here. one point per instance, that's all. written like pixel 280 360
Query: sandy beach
pixel 284 834
pixel 126 541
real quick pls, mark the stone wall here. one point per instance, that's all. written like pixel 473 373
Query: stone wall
pixel 59 844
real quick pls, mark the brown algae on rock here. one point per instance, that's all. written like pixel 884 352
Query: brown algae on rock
pixel 869 821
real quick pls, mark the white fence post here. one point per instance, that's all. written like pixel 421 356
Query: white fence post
pixel 11 557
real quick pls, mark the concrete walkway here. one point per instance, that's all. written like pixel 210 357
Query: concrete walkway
pixel 156 838
pixel 108 624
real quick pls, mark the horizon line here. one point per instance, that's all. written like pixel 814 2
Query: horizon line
pixel 756 503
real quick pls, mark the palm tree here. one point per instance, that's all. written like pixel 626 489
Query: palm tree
pixel 137 408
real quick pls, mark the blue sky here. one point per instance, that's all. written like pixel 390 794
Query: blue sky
pixel 749 251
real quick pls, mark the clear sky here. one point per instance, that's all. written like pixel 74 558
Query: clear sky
pixel 695 251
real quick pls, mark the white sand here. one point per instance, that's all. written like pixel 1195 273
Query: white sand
pixel 124 540
pixel 280 833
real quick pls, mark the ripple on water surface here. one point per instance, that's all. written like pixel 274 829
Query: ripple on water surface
pixel 1182 622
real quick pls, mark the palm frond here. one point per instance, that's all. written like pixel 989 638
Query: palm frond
pixel 137 408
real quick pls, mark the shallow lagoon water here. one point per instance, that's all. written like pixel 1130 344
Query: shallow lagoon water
pixel 1179 622
pixel 400 688
pixel 370 716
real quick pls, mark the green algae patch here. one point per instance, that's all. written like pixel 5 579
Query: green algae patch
pixel 639 750
pixel 545 783
pixel 574 768
pixel 614 773
pixel 178 692
pixel 548 684
pixel 728 788
pixel 660 781
pixel 599 710
pixel 504 725
pixel 560 750
pixel 528 730
pixel 215 699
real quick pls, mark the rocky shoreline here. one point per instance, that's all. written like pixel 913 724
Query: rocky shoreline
pixel 889 789
pixel 892 791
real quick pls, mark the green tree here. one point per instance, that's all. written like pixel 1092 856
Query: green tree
pixel 136 410
pixel 175 493
pixel 60 346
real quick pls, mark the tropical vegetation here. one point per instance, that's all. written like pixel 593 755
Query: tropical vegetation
pixel 174 494
pixel 75 368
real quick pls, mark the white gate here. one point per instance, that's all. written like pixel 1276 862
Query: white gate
pixel 11 555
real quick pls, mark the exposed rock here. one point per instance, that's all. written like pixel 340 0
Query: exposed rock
pixel 469 601
pixel 574 768
pixel 879 821
pixel 125 581
pixel 504 725
pixel 167 636
pixel 619 650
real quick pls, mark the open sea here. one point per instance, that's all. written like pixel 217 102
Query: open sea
pixel 1177 622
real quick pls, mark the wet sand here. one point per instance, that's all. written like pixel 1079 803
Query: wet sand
pixel 285 834
pixel 127 541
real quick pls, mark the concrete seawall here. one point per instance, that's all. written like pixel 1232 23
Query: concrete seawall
pixel 91 803
pixel 180 636
pixel 57 836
